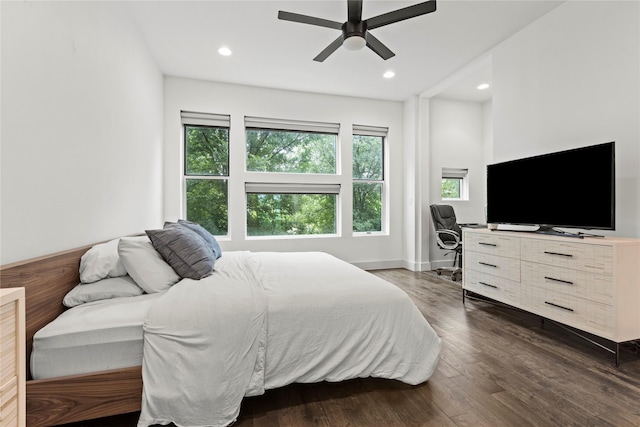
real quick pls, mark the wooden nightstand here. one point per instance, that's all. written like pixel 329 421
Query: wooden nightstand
pixel 12 358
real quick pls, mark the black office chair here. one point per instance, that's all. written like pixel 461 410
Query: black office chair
pixel 448 236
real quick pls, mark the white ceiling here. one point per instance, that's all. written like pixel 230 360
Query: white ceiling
pixel 184 36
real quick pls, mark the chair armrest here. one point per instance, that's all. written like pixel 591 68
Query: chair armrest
pixel 449 246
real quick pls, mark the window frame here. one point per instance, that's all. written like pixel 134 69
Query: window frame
pixel 266 182
pixel 382 132
pixel 460 174
pixel 205 120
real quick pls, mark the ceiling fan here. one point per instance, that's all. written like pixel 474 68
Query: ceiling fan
pixel 355 32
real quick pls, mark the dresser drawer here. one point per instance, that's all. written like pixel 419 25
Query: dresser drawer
pixel 580 283
pixel 508 268
pixel 494 287
pixel 8 342
pixel 590 316
pixel 493 244
pixel 580 256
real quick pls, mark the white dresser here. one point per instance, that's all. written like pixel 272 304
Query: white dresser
pixel 590 284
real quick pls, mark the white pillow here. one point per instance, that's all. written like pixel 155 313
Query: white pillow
pixel 113 287
pixel 101 261
pixel 145 265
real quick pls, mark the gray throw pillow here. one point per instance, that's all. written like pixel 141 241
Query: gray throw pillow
pixel 202 232
pixel 184 250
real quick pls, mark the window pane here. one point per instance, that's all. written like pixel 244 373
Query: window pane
pixel 451 188
pixel 286 151
pixel 206 151
pixel 367 157
pixel 207 204
pixel 367 207
pixel 290 214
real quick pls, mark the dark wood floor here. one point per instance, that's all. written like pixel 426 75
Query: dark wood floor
pixel 498 367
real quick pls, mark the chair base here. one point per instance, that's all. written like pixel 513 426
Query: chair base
pixel 456 273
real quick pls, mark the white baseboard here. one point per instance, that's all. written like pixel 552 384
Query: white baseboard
pixel 442 263
pixel 409 265
pixel 417 266
pixel 379 265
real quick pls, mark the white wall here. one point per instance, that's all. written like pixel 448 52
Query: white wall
pixel 572 79
pixel 457 140
pixel 240 101
pixel 81 132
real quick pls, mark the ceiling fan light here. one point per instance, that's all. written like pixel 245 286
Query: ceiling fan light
pixel 354 43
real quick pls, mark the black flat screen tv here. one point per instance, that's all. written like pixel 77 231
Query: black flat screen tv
pixel 569 189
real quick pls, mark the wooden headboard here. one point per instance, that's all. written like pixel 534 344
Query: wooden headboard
pixel 46 280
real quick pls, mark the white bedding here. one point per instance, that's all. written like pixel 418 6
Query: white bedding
pixel 97 336
pixel 264 320
pixel 203 343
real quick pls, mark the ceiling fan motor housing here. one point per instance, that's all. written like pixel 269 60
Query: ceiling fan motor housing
pixel 350 29
pixel 353 35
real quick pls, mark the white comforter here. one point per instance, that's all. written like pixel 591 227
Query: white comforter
pixel 264 320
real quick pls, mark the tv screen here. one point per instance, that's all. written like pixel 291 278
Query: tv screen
pixel 572 188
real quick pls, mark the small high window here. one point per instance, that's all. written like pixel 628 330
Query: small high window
pixel 454 184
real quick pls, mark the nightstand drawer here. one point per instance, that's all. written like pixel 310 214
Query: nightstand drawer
pixel 579 256
pixel 580 283
pixel 8 342
pixel 493 244
pixel 508 268
pixel 494 287
pixel 12 358
pixel 9 403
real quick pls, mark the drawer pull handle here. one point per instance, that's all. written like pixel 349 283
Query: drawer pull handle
pixel 559 254
pixel 559 306
pixel 487 264
pixel 558 280
pixel 487 244
pixel 486 284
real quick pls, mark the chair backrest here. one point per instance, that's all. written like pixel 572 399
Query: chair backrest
pixel 444 218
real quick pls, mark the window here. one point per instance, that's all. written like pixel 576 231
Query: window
pixel 298 204
pixel 206 170
pixel 286 209
pixel 368 178
pixel 454 184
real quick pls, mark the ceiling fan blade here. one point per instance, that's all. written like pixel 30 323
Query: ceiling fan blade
pixel 329 50
pixel 378 47
pixel 354 10
pixel 401 14
pixel 312 20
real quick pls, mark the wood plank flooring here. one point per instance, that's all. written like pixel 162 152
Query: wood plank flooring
pixel 498 367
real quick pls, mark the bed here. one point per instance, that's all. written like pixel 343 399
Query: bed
pixel 316 292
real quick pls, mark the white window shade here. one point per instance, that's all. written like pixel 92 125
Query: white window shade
pixel 454 173
pixel 291 125
pixel 205 119
pixel 286 188
pixel 370 130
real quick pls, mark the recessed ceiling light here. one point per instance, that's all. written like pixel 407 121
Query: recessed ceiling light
pixel 224 51
pixel 389 74
pixel 483 86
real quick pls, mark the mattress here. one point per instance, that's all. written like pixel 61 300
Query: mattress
pixel 92 337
